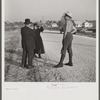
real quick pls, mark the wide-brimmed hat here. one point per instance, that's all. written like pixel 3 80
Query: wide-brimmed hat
pixel 27 21
pixel 68 14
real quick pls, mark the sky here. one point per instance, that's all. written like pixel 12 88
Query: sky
pixel 18 10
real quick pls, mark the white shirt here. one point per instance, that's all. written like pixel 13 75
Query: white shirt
pixel 68 27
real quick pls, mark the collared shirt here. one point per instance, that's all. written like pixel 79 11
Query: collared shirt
pixel 68 27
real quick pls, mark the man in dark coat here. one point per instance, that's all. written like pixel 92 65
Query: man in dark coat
pixel 28 43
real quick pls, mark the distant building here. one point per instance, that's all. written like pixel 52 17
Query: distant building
pixel 54 25
pixel 87 24
pixel 16 26
pixel 90 24
pixel 78 23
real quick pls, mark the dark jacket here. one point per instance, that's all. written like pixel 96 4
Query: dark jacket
pixel 39 43
pixel 28 38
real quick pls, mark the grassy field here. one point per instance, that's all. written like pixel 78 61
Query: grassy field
pixel 87 34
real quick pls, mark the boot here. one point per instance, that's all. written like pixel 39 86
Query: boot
pixel 70 60
pixel 60 64
pixel 39 55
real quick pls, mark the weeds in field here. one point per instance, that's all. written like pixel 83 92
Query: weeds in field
pixel 42 71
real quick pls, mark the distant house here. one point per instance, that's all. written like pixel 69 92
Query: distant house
pixel 78 23
pixel 54 25
pixel 16 26
pixel 90 24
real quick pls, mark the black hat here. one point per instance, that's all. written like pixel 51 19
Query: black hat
pixel 27 21
pixel 34 24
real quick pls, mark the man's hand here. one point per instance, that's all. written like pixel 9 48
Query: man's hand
pixel 74 30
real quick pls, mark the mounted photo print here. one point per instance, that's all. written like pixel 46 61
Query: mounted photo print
pixel 50 50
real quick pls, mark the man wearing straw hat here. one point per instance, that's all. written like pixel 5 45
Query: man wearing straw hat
pixel 28 43
pixel 67 25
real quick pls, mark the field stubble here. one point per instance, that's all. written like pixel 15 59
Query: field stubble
pixel 42 72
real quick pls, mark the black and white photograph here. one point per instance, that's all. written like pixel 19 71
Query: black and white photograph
pixel 50 41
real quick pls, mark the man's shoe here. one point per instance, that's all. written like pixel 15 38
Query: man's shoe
pixel 30 67
pixel 26 66
pixel 58 65
pixel 23 66
pixel 69 64
pixel 39 55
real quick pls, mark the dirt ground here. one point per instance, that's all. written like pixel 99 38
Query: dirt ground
pixel 84 58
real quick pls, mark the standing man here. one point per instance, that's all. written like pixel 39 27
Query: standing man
pixel 67 40
pixel 28 43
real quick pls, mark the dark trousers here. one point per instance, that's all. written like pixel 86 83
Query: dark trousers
pixel 67 44
pixel 27 54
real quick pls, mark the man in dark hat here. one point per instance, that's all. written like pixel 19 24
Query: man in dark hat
pixel 28 43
